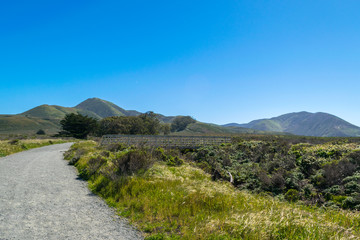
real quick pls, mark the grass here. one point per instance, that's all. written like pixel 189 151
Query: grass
pixel 14 146
pixel 167 202
pixel 18 124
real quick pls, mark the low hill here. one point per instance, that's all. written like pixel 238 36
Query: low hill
pixel 48 112
pixel 305 123
pixel 18 124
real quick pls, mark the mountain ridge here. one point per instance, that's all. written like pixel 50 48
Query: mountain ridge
pixel 317 124
pixel 47 117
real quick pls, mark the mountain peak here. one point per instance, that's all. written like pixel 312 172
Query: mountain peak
pixel 103 108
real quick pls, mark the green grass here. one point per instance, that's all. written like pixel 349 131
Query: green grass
pixel 18 124
pixel 167 202
pixel 14 146
pixel 49 112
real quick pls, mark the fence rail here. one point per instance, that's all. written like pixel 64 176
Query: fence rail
pixel 165 141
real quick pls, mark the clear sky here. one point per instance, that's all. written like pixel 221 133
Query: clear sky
pixel 218 61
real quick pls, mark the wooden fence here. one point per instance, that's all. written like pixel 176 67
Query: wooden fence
pixel 165 141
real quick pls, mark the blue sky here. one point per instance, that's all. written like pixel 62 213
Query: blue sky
pixel 218 61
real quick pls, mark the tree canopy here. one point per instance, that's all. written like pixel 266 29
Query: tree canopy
pixel 181 122
pixel 77 125
pixel 146 123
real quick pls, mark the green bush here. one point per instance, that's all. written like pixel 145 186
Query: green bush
pixel 40 132
pixel 350 203
pixel 132 161
pixel 292 195
pixel 352 187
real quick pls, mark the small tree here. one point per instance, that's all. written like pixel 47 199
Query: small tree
pixel 77 125
pixel 40 132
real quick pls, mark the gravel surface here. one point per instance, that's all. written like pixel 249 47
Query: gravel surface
pixel 42 198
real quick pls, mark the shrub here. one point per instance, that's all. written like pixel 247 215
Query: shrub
pixel 132 162
pixel 14 142
pixel 336 171
pixel 354 157
pixel 277 183
pixel 292 195
pixel 355 177
pixel 174 161
pixel 115 147
pixel 352 187
pixel 40 132
pixel 335 189
pixel 95 163
pixel 350 203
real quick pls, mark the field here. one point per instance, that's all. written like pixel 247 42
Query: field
pixel 173 194
pixel 8 147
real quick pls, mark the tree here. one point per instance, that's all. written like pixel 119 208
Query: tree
pixel 146 123
pixel 77 125
pixel 166 128
pixel 40 132
pixel 151 123
pixel 181 122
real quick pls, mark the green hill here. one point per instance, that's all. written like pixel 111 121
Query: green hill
pixel 305 123
pixel 47 117
pixel 48 112
pixel 104 108
pixel 18 124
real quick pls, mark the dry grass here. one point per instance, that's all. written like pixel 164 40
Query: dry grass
pixel 14 146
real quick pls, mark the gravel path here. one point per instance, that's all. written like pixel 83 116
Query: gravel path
pixel 41 198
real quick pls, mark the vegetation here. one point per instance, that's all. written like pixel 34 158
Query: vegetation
pixel 145 124
pixel 170 194
pixel 49 112
pixel 200 128
pixel 181 122
pixel 13 146
pixel 47 117
pixel 325 174
pixel 41 132
pixel 77 126
pixel 17 124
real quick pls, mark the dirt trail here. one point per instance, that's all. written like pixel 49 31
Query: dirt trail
pixel 41 198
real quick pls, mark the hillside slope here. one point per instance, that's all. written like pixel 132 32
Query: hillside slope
pixel 305 123
pixel 18 124
pixel 47 117
pixel 48 112
pixel 104 108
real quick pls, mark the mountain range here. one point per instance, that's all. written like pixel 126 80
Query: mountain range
pixel 47 117
pixel 304 123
